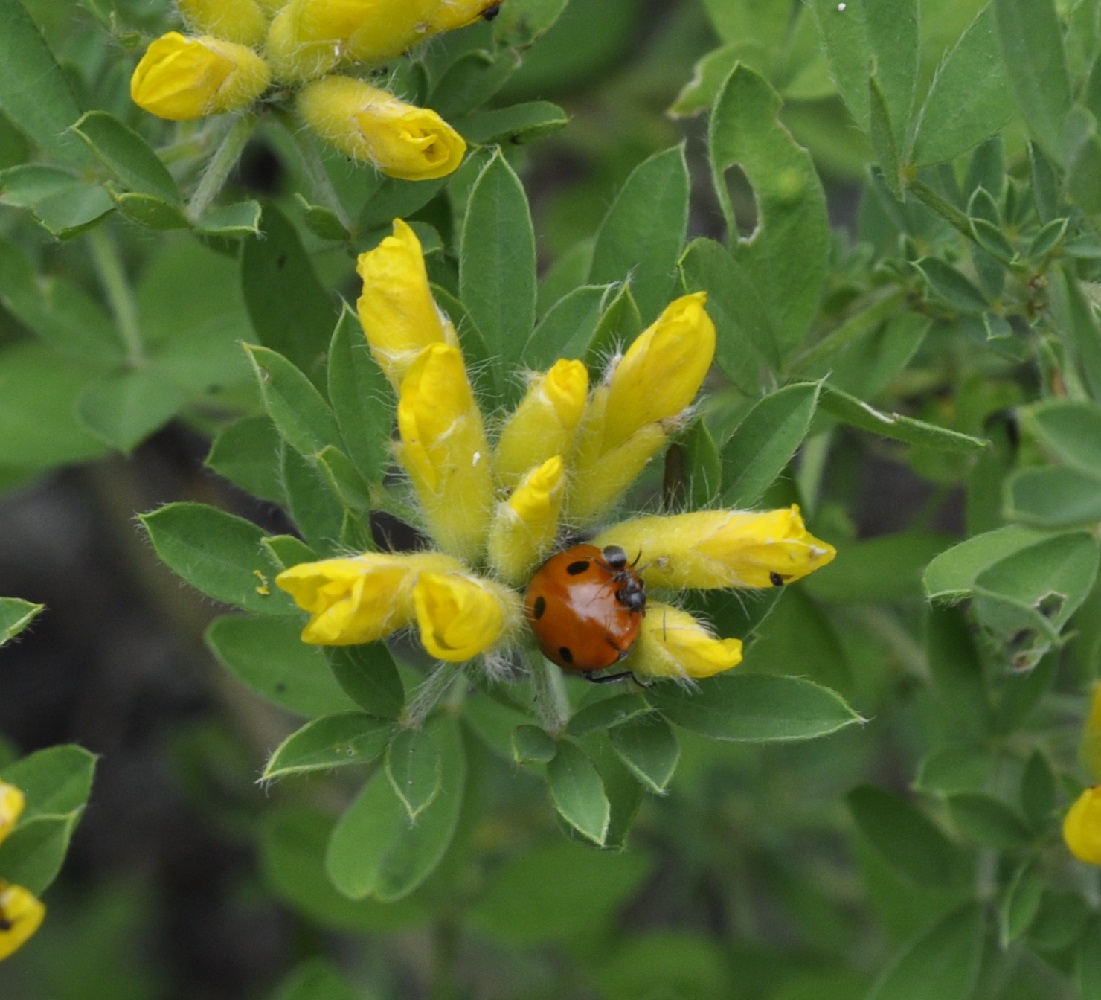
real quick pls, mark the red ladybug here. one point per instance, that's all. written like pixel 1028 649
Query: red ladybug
pixel 585 606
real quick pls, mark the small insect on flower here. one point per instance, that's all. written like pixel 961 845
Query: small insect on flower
pixel 585 606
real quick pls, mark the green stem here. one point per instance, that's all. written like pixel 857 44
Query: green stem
pixel 428 695
pixel 118 293
pixel 551 700
pixel 947 211
pixel 317 174
pixel 218 167
pixel 863 323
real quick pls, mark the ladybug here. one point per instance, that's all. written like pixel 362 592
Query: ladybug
pixel 585 606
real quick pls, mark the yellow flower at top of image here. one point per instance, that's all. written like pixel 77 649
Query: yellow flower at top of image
pixel 21 912
pixel 500 505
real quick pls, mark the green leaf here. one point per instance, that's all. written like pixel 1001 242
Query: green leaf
pixel 244 452
pixel 577 792
pixel 1038 789
pixel 957 669
pixel 1032 46
pixel 532 745
pixel 648 746
pixel 606 712
pixel 951 286
pixel 299 412
pixel 414 770
pixel 360 397
pixel 316 510
pixel 764 442
pixel 942 962
pixel 290 310
pixel 268 655
pixel 969 98
pixel 536 894
pixel 1068 430
pixel 641 236
pixel 754 708
pixel 567 327
pixel 237 221
pixel 953 769
pixel 34 93
pixel 1053 497
pixel 218 554
pixel 329 742
pixel 497 262
pixel 369 676
pixel 786 257
pixel 880 570
pixel 1020 904
pixel 150 211
pixel 882 138
pixel 124 408
pixel 517 124
pixel 895 426
pixel 127 155
pixel 15 615
pixel 907 839
pixel 376 850
pixel 988 822
pixel 951 575
pixel 315 980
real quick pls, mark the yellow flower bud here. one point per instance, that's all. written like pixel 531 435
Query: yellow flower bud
pixel 20 915
pixel 1091 737
pixel 443 448
pixel 545 423
pixel 525 526
pixel 671 643
pixel 182 78
pixel 1082 826
pixel 241 21
pixel 310 37
pixel 460 616
pixel 360 598
pixel 369 124
pixel 452 14
pixel 722 548
pixel 12 801
pixel 662 371
pixel 396 309
pixel 643 396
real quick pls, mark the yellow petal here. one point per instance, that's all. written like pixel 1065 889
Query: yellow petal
pixel 452 14
pixel 443 448
pixel 525 526
pixel 460 616
pixel 241 21
pixel 182 78
pixel 12 801
pixel 309 37
pixel 369 124
pixel 396 308
pixel 662 370
pixel 672 643
pixel 722 548
pixel 20 915
pixel 360 598
pixel 1082 826
pixel 545 423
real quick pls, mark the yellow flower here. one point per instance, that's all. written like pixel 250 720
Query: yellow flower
pixel 644 396
pixel 722 548
pixel 524 526
pixel 20 916
pixel 1091 737
pixel 182 78
pixel 241 21
pixel 396 308
pixel 310 37
pixel 369 124
pixel 672 643
pixel 359 598
pixel 545 423
pixel 1082 826
pixel 452 14
pixel 12 801
pixel 443 448
pixel 460 615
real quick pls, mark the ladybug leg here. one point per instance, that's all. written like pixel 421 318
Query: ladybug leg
pixel 608 678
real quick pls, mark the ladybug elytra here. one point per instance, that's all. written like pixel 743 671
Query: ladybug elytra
pixel 585 606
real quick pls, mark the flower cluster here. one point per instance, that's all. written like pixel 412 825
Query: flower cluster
pixel 556 468
pixel 239 48
pixel 20 911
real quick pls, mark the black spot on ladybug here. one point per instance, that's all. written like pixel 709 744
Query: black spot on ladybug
pixel 775 579
pixel 566 653
pixel 539 607
pixel 578 567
